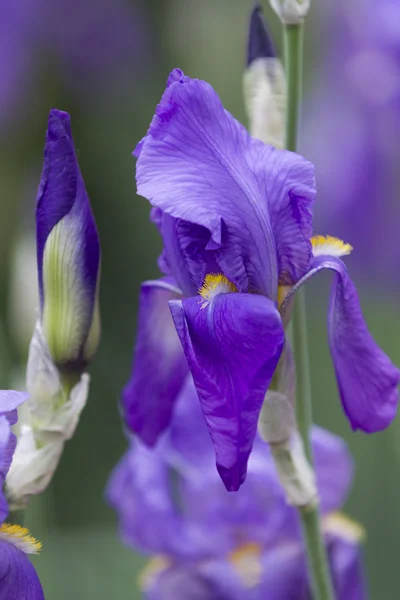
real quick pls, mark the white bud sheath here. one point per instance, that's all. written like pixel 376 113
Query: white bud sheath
pixel 277 421
pixel 291 12
pixel 264 86
pixel 43 430
pixel 295 472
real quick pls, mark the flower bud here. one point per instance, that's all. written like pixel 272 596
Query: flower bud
pixel 264 84
pixel 68 253
pixel 291 12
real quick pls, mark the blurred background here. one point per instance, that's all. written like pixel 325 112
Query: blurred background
pixel 106 62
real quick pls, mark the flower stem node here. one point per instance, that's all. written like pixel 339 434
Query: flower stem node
pixel 291 12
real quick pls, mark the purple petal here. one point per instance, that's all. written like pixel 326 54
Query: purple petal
pixel 140 490
pixel 188 438
pixel 211 580
pixel 200 165
pixel 159 365
pixel 366 377
pixel 347 569
pixel 62 197
pixel 232 347
pixel 18 578
pixel 9 402
pixel 5 461
pixel 284 574
pixel 334 468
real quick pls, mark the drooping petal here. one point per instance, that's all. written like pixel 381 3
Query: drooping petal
pixel 200 165
pixel 232 347
pixel 333 467
pixel 159 365
pixel 367 379
pixel 68 250
pixel 18 578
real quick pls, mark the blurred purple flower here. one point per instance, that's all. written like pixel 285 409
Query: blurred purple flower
pixel 213 544
pixel 18 578
pixel 235 216
pixel 352 123
pixel 93 43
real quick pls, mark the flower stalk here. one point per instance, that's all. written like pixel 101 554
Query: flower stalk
pixel 317 560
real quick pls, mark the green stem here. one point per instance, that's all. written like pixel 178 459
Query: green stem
pixel 316 554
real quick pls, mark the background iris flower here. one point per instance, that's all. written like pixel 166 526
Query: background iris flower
pixel 212 544
pixel 235 216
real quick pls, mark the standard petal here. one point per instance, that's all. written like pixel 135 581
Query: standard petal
pixel 232 347
pixel 68 250
pixel 367 379
pixel 200 165
pixel 159 365
pixel 18 578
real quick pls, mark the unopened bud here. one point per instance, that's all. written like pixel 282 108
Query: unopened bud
pixel 68 253
pixel 291 12
pixel 264 84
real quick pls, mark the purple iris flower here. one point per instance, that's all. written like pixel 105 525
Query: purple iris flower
pixel 18 578
pixel 214 545
pixel 68 252
pixel 235 216
pixel 356 103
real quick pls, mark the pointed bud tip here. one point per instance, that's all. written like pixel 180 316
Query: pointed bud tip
pixel 260 42
pixel 59 124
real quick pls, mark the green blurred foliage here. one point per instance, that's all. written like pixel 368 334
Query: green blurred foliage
pixel 82 557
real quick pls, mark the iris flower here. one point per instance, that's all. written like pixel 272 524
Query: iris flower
pixel 235 216
pixel 210 544
pixel 18 578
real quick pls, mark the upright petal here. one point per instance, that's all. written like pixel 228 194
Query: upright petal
pixel 200 165
pixel 18 578
pixel 68 250
pixel 232 347
pixel 367 379
pixel 159 365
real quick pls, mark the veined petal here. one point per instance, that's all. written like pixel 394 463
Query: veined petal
pixel 18 578
pixel 159 365
pixel 200 165
pixel 232 346
pixel 366 377
pixel 68 251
